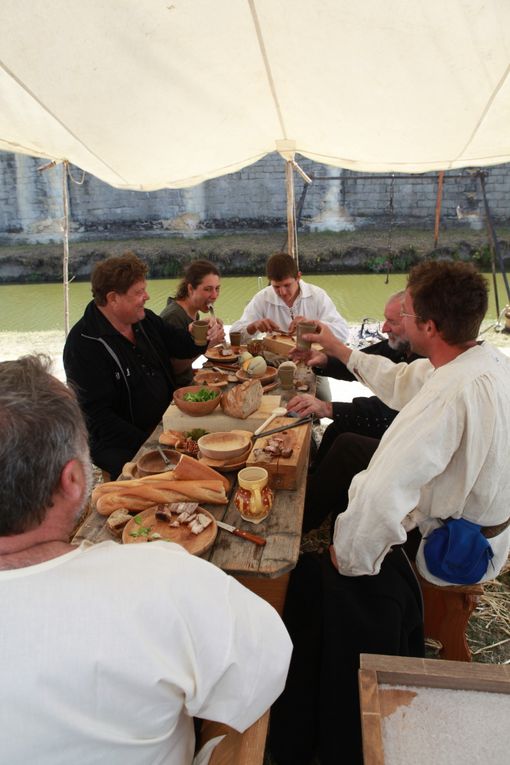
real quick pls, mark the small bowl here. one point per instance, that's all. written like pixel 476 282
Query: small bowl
pixel 195 408
pixel 223 446
pixel 152 463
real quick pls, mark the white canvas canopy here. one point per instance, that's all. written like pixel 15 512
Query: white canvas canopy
pixel 146 94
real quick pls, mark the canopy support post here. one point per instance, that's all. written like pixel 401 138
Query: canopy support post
pixel 291 211
pixel 439 202
pixel 65 259
pixel 493 239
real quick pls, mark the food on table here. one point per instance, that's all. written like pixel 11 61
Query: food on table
pixel 245 356
pixel 176 514
pixel 243 400
pixel 274 447
pixel 117 520
pixel 204 394
pixel 141 493
pixel 255 367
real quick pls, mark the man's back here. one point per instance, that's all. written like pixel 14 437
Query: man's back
pixel 109 651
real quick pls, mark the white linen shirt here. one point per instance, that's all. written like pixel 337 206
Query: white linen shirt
pixel 445 455
pixel 109 650
pixel 312 302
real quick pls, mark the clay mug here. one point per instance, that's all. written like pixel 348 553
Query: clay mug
pixel 286 372
pixel 235 339
pixel 304 328
pixel 253 498
pixel 199 331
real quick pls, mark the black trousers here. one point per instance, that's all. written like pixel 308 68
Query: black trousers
pixel 328 482
pixel 331 620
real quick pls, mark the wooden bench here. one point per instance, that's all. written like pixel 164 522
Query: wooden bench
pixel 447 611
pixel 237 748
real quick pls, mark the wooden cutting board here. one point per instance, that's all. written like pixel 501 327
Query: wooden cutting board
pixel 174 419
pixel 284 471
pixel 196 544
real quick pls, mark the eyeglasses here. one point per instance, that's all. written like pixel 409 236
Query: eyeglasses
pixel 409 315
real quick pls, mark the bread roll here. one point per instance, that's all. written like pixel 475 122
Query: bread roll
pixel 242 400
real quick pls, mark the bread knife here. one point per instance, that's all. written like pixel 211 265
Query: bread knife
pixel 302 421
pixel 239 533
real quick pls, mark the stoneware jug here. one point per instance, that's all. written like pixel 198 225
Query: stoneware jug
pixel 253 498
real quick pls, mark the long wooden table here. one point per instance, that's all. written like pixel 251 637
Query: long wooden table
pixel 264 570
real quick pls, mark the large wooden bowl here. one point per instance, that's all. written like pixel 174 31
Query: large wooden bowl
pixel 195 408
pixel 224 446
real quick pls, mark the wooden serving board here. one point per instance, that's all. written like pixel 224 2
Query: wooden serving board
pixel 174 419
pixel 196 544
pixel 284 471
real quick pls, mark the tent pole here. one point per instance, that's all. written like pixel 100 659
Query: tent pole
pixel 439 201
pixel 65 260
pixel 291 212
pixel 492 234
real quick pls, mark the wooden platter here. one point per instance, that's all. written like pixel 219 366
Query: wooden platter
pixel 211 378
pixel 214 354
pixel 268 377
pixel 196 544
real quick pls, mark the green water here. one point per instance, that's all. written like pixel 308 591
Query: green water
pixel 39 307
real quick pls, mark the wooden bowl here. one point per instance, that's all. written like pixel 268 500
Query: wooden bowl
pixel 195 408
pixel 223 446
pixel 151 463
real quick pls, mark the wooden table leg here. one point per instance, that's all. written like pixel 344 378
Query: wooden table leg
pixel 272 590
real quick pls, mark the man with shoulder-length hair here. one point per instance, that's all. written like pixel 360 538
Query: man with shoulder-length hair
pixel 109 650
pixel 442 466
pixel 118 357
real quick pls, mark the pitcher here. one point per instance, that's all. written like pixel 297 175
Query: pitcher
pixel 253 498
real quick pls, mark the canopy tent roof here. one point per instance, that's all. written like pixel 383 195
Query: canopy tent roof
pixel 146 94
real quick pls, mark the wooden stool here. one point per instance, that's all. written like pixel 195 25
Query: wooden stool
pixel 447 611
pixel 237 748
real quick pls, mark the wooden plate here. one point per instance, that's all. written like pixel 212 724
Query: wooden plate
pixel 196 544
pixel 214 354
pixel 268 376
pixel 211 378
pixel 226 466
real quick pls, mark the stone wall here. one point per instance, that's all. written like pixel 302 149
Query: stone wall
pixel 31 207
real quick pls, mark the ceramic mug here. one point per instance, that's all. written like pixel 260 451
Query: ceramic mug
pixel 253 498
pixel 235 339
pixel 199 331
pixel 286 372
pixel 304 328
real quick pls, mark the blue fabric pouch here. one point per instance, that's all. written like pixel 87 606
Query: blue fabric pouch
pixel 458 552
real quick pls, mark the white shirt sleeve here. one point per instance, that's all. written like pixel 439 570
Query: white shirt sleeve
pixel 255 310
pixel 412 453
pixel 394 384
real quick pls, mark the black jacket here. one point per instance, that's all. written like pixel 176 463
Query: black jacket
pixel 123 389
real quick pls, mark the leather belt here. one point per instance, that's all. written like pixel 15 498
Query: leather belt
pixel 493 531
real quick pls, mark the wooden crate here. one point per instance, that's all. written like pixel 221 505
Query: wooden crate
pixel 389 684
pixel 285 471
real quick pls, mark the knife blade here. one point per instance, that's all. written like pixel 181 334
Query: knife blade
pixel 239 533
pixel 302 421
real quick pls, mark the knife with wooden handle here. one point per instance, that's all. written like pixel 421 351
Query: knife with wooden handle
pixel 244 534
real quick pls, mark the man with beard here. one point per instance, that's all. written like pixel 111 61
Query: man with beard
pixel 109 650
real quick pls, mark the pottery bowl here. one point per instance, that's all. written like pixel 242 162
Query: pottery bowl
pixel 151 463
pixel 195 408
pixel 223 446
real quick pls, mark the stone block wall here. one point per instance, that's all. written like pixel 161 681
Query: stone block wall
pixel 31 206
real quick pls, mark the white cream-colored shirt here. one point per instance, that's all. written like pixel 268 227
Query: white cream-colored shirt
pixel 445 455
pixel 108 652
pixel 312 303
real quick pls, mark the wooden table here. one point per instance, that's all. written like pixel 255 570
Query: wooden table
pixel 264 570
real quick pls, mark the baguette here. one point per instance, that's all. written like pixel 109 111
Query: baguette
pixel 139 497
